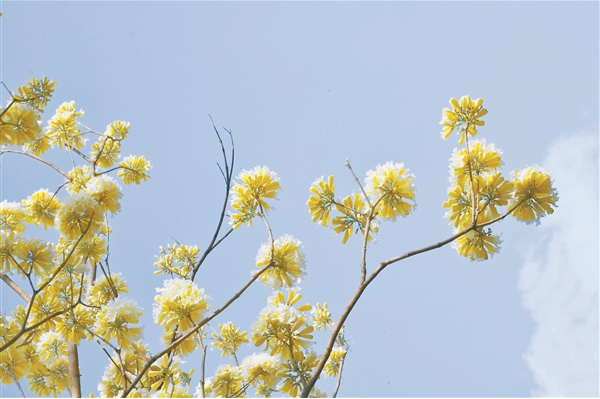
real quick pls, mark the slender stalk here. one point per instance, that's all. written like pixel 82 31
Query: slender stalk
pixel 339 376
pixel 203 370
pixel 56 168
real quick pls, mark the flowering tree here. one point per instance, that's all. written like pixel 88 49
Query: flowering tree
pixel 73 294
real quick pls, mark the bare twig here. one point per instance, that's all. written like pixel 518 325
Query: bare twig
pixel 339 376
pixel 56 168
pixel 228 175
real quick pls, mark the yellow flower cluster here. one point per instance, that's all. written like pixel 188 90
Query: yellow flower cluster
pixel 180 303
pixel 322 200
pixel 478 188
pixel 332 367
pixel 534 193
pixel 249 197
pixel 391 190
pixel 65 304
pixel 464 117
pixel 390 193
pixel 114 320
pixel 20 120
pixel 177 259
pixel 321 317
pixel 286 260
pixel 283 328
pixel 63 129
pixel 229 339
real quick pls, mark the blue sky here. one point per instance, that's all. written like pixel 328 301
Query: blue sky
pixel 304 86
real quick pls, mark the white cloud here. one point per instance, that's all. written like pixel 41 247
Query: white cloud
pixel 559 279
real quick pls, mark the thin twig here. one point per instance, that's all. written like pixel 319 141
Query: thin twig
pixel 56 168
pixel 339 376
pixel 228 178
pixel 358 182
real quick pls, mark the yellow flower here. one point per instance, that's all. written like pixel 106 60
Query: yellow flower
pixel 8 247
pixel 477 244
pixel 45 305
pixel 117 130
pixel 332 367
pixel 106 152
pixel 114 320
pixel 133 169
pixel 106 192
pixel 41 207
pixel 177 259
pixel 288 262
pixel 36 256
pixel 62 128
pixel 283 328
pixel 180 302
pixel 295 375
pixel 322 200
pixel 79 176
pixel 321 317
pixel 484 159
pixel 352 209
pixel 14 365
pixel 39 384
pixel 19 125
pixel 249 197
pixel 465 113
pixel 79 214
pixel 260 369
pixel 36 93
pixel 52 345
pixel 105 289
pixel 389 186
pixel 11 217
pixel 186 347
pixel 58 375
pixel 91 249
pixel 534 194
pixel 38 146
pixel 228 382
pixel 494 191
pixel 75 323
pixel 460 206
pixel 166 373
pixel 229 339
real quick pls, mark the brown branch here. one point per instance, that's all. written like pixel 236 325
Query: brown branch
pixel 363 286
pixel 15 287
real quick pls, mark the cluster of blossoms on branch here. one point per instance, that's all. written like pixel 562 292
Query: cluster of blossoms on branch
pixel 478 188
pixel 66 302
pixel 74 296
